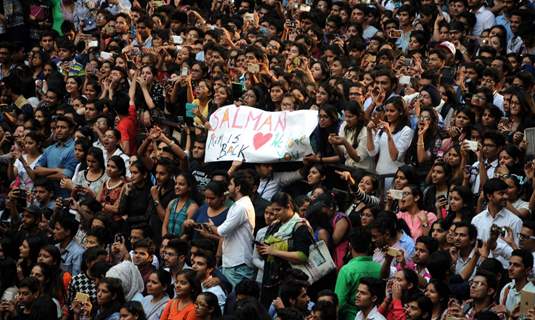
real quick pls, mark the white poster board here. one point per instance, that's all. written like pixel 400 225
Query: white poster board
pixel 253 135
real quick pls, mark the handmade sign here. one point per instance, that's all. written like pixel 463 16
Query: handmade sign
pixel 254 135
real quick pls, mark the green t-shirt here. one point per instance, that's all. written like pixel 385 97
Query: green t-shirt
pixel 348 280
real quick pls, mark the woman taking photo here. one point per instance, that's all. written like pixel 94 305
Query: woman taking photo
pixel 158 289
pixel 181 208
pixel 136 196
pixel 110 194
pixel 405 175
pixel 363 197
pixel 436 194
pixel 22 169
pixel 187 288
pixel 286 241
pixel 461 129
pixel 425 143
pixel 352 138
pixel 418 220
pixel 110 298
pixel 328 124
pixel 207 307
pixel 389 138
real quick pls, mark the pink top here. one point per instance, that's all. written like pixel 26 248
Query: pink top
pixel 414 221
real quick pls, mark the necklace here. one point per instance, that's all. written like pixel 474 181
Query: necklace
pixel 115 186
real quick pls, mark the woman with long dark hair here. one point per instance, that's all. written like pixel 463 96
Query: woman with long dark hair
pixel 110 298
pixel 286 241
pixel 136 199
pixel 28 253
pixel 183 207
pixel 460 205
pixel 328 124
pixel 405 175
pixel 91 179
pixel 438 292
pixel 187 288
pixel 207 307
pixel 389 137
pixel 213 209
pixel 411 211
pixel 425 143
pixel 159 290
pixel 438 182
pixel 352 138
pixel 112 189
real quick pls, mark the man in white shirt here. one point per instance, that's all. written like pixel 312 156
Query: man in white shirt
pixel 204 264
pixel 496 214
pixel 520 267
pixel 484 17
pixel 237 231
pixel 370 293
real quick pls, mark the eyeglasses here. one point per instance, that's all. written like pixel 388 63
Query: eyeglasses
pixel 476 284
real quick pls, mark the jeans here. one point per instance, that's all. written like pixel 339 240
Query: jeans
pixel 238 273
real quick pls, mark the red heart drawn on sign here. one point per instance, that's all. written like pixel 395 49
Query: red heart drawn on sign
pixel 260 139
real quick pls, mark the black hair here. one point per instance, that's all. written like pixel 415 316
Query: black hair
pixel 443 292
pixel 436 262
pixel 90 255
pixel 116 289
pixel 248 287
pixel 360 241
pixel 527 257
pixel 283 199
pixel 136 309
pixel 180 246
pixel 213 303
pixel 98 155
pixel 69 223
pixel 376 288
pixel 241 180
pixel 291 290
pixel 195 284
pixel 43 308
pixel 494 185
pixel 119 162
pixel 472 230
pixel 430 243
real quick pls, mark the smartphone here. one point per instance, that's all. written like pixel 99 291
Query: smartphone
pixel 407 62
pixel 296 61
pixel 81 297
pixel 184 71
pixel 93 44
pixel 177 39
pixel 304 8
pixel 253 68
pixel 106 55
pixel 472 145
pixel 258 243
pixel 396 194
pixel 248 17
pixel 393 252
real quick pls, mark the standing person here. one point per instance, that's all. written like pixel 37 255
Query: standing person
pixel 350 275
pixel 520 268
pixel 496 214
pixel 187 287
pixel 65 229
pixel 370 293
pixel 58 160
pixel 286 241
pixel 181 208
pixel 389 139
pixel 237 231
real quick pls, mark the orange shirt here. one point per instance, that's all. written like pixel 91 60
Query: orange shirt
pixel 171 311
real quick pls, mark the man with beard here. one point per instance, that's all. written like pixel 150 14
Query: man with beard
pixel 423 248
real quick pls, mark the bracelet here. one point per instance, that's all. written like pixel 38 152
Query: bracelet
pixel 420 145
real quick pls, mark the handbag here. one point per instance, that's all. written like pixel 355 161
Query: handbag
pixel 319 263
pixel 38 12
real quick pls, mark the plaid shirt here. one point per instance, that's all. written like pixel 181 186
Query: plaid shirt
pixel 81 283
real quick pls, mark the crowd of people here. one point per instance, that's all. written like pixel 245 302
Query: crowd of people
pixel 416 203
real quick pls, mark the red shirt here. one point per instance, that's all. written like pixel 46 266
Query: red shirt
pixel 128 128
